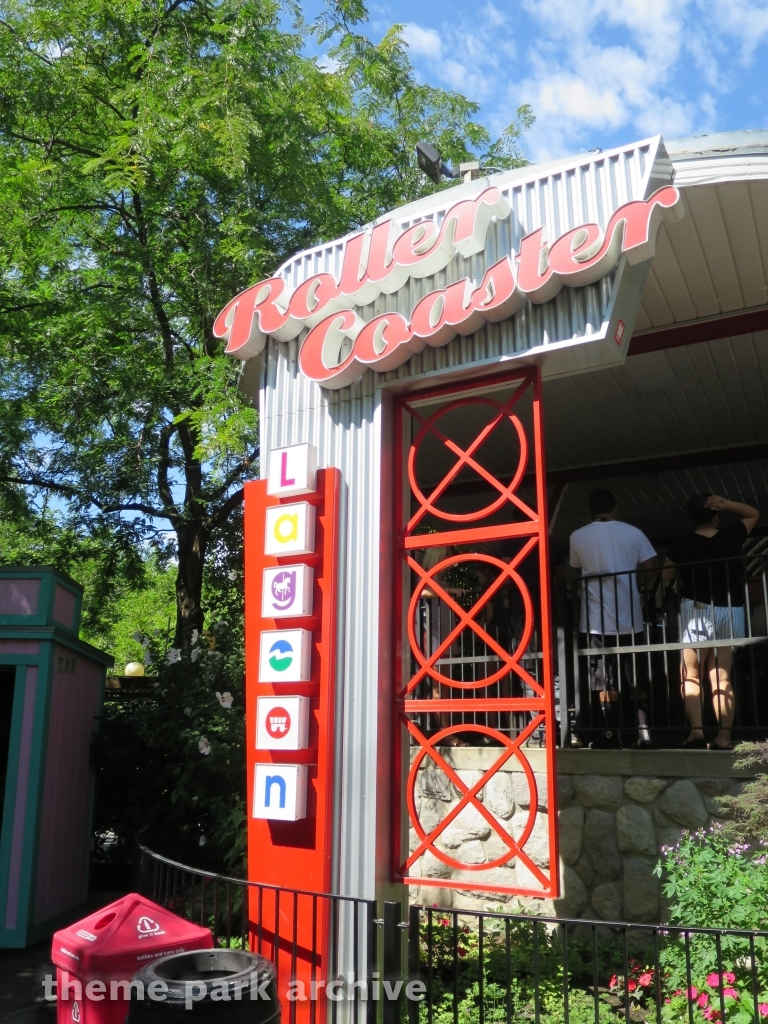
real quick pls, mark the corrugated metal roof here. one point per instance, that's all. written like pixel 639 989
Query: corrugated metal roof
pixel 714 260
pixel 560 196
pixel 656 502
pixel 697 397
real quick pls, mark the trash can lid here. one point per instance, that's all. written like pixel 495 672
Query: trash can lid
pixel 122 936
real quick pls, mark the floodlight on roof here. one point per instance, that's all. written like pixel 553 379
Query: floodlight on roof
pixel 431 163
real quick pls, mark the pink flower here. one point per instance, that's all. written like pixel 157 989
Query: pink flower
pixel 646 979
pixel 713 980
pixel 614 982
pixel 729 976
pixel 631 985
pixel 731 993
pixel 763 1008
pixel 711 1014
pixel 703 1000
pixel 692 992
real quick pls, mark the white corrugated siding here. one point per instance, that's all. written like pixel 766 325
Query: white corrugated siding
pixel 346 428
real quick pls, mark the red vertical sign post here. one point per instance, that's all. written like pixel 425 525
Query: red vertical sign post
pixel 290 635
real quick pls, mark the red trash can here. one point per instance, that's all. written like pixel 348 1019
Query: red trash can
pixel 96 958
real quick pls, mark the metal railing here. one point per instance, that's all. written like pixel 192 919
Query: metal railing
pixel 440 966
pixel 470 660
pixel 625 671
pixel 310 937
pixel 494 966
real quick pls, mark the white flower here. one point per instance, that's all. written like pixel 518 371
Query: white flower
pixel 187 711
pixel 202 840
pixel 195 637
pixel 232 574
pixel 203 746
pixel 196 653
pixel 225 699
pixel 173 655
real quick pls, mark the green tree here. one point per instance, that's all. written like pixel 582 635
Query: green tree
pixel 157 156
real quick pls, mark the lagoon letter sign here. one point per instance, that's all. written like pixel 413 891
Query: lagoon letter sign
pixel 380 261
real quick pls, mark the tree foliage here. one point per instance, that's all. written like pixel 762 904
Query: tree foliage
pixel 157 156
pixel 748 809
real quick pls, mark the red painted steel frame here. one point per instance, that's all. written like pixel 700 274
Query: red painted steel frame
pixel 468 528
pixel 294 854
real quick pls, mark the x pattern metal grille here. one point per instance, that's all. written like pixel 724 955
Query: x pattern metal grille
pixel 529 526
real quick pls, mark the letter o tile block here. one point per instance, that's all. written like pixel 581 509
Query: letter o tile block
pixel 280 792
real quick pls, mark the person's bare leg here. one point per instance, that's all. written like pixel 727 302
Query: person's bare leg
pixel 692 692
pixel 719 665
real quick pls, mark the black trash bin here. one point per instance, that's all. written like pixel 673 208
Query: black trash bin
pixel 217 985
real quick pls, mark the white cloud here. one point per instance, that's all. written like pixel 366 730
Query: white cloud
pixel 746 20
pixel 423 42
pixel 494 16
pixel 594 69
pixel 440 54
pixel 328 64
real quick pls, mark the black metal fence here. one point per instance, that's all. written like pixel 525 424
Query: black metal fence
pixel 338 935
pixel 622 643
pixel 436 966
pixel 620 650
pixel 496 966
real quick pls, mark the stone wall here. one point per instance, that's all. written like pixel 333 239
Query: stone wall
pixel 616 809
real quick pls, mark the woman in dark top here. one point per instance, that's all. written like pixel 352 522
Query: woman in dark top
pixel 712 607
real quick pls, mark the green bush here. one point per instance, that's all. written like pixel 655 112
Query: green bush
pixel 518 973
pixel 174 764
pixel 714 881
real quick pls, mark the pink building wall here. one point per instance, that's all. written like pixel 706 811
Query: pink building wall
pixel 62 872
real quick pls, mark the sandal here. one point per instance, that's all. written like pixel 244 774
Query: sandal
pixel 698 743
pixel 717 746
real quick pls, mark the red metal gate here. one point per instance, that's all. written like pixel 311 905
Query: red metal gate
pixel 505 541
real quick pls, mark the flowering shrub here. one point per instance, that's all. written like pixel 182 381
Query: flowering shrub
pixel 713 881
pixel 639 984
pixel 509 981
pixel 722 996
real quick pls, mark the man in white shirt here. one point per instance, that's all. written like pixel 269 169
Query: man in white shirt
pixel 611 613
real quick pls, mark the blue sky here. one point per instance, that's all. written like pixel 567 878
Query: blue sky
pixel 596 72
